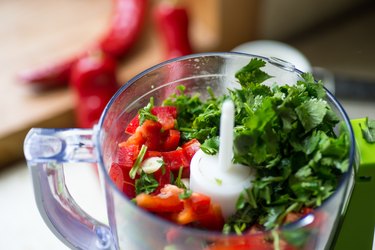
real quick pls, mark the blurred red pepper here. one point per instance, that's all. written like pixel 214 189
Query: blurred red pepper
pixel 173 24
pixel 93 80
pixel 126 24
pixel 125 27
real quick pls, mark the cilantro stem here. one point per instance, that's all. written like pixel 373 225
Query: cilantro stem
pixel 276 239
pixel 178 181
pixel 133 171
pixel 251 198
pixel 287 211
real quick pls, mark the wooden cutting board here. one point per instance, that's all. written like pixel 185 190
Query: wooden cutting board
pixel 34 33
pixel 37 32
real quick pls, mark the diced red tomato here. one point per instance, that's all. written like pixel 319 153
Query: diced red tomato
pixel 172 140
pixel 166 116
pixel 190 148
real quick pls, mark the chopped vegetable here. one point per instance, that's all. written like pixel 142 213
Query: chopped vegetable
pixel 285 132
pixel 288 133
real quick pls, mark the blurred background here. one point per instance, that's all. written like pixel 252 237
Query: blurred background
pixel 335 37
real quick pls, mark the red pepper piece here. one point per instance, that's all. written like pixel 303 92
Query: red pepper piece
pixel 51 75
pixel 119 174
pixel 127 155
pixel 200 203
pixel 133 125
pixel 212 219
pixel 150 153
pixel 190 148
pixel 125 27
pixel 163 176
pixel 166 116
pixel 173 24
pixel 172 140
pixel 175 160
pixel 167 201
pixel 151 133
pixel 116 175
pixel 93 80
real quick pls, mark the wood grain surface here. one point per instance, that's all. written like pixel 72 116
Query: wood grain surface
pixel 35 33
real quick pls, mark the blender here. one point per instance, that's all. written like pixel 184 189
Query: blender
pixel 350 209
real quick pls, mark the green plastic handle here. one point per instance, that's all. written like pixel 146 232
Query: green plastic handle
pixel 357 229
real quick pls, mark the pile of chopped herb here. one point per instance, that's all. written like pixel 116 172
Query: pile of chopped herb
pixel 285 132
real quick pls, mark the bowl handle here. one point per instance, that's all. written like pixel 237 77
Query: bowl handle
pixel 46 151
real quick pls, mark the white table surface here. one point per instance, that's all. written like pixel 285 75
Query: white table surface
pixel 23 228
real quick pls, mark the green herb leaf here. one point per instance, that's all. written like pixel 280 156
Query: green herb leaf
pixel 186 194
pixel 146 183
pixel 178 181
pixel 211 146
pixel 252 73
pixel 145 113
pixel 311 113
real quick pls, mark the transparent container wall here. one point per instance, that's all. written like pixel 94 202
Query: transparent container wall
pixel 137 229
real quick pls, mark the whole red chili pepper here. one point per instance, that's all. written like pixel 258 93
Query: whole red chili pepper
pixel 173 24
pixel 93 80
pixel 125 27
pixel 127 21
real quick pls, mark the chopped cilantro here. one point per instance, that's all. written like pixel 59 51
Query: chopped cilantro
pixel 146 183
pixel 186 194
pixel 288 133
pixel 178 182
pixel 211 146
pixel 145 113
